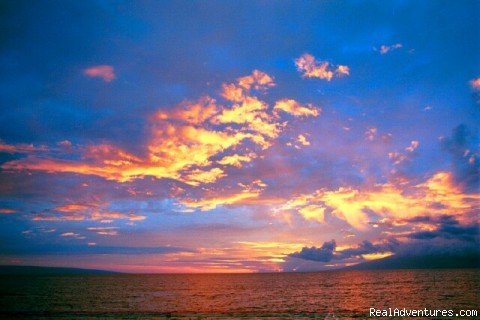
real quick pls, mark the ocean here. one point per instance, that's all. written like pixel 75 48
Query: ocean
pixel 323 295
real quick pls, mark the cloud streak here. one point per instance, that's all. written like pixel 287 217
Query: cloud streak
pixel 105 72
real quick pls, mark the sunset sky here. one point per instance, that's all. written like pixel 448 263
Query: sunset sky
pixel 222 136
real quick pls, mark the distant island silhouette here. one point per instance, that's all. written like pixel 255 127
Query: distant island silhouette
pixel 36 270
pixel 431 261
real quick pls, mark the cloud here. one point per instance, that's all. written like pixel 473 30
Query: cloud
pixel 72 207
pixel 313 212
pixel 463 149
pixel 65 144
pixel 384 49
pixel 247 195
pixel 195 142
pixel 107 216
pixel 105 72
pixel 236 160
pixel 447 227
pixel 42 216
pixel 299 142
pixel 239 91
pixel 294 108
pixel 20 148
pixel 72 235
pixel 80 212
pixel 258 80
pixel 323 254
pixel 7 211
pixel 475 84
pixel 370 133
pixel 399 157
pixel 395 202
pixel 303 140
pixel 413 146
pixel 312 68
pixel 104 231
pixel 369 248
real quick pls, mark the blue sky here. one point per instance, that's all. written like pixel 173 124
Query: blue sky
pixel 119 131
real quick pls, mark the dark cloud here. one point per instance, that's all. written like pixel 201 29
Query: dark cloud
pixel 449 231
pixel 323 254
pixel 463 148
pixel 327 253
pixel 367 247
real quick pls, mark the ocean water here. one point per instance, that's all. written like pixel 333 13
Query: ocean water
pixel 323 295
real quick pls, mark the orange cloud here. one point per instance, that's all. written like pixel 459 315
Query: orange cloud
pixel 343 70
pixel 296 109
pixel 436 196
pixel 247 195
pixel 258 80
pixel 236 160
pixel 105 72
pixel 191 112
pixel 232 92
pixel 107 216
pixel 211 203
pixel 313 212
pixel 71 207
pixel 475 84
pixel 237 92
pixel 312 68
pixel 55 217
pixel 303 140
pixel 185 140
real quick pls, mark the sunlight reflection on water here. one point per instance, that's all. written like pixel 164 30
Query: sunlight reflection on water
pixel 340 294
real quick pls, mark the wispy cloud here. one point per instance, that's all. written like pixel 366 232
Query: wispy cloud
pixel 72 235
pixel 7 211
pixel 104 231
pixel 248 194
pixel 384 49
pixel 81 211
pixel 106 72
pixel 20 148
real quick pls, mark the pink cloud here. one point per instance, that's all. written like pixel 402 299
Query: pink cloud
pixel 7 211
pixel 20 148
pixel 475 83
pixel 105 72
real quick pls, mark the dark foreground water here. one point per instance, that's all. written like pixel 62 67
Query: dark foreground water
pixel 342 294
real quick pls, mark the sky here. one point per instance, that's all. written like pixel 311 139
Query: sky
pixel 237 136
